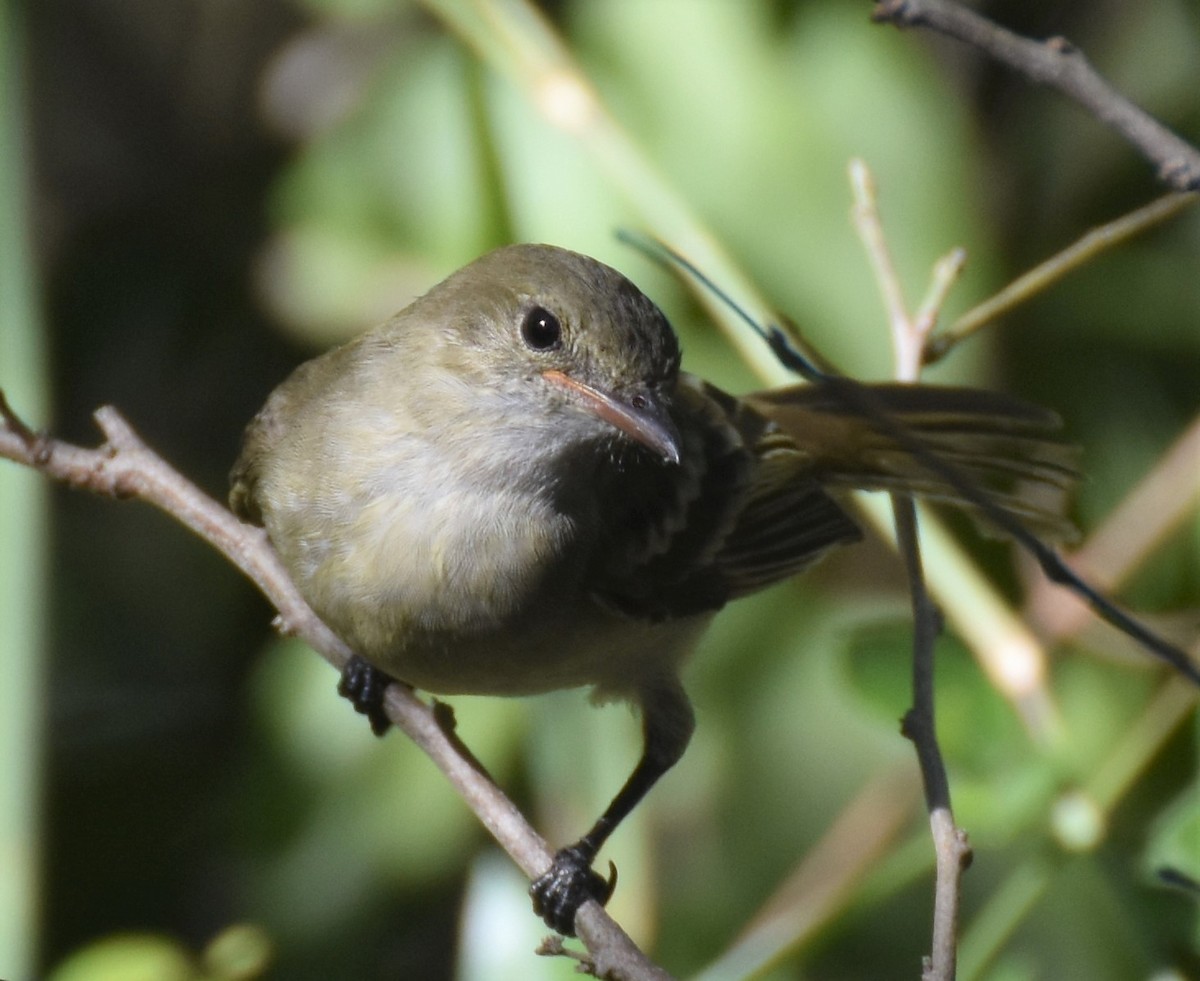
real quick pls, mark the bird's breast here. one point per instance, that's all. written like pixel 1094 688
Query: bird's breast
pixel 485 591
pixel 464 566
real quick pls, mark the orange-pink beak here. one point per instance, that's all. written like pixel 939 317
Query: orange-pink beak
pixel 642 418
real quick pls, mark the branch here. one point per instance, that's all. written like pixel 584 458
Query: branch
pixel 951 849
pixel 1146 517
pixel 823 884
pixel 1058 63
pixel 123 467
pixel 1046 273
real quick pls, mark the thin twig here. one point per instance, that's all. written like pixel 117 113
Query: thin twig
pixel 945 274
pixel 124 467
pixel 1046 273
pixel 1144 519
pixel 919 725
pixel 950 845
pixel 1057 63
pixel 870 231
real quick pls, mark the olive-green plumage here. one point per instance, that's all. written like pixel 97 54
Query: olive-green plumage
pixel 510 487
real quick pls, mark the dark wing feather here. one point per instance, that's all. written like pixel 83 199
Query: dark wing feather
pixel 739 513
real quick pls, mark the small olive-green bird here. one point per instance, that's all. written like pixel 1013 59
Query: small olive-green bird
pixel 510 488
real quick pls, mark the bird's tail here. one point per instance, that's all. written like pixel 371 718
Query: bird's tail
pixel 932 441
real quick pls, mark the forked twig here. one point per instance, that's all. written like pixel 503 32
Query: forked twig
pixel 859 398
pixel 1081 251
pixel 909 334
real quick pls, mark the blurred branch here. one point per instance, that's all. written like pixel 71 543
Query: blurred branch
pixel 1164 712
pixel 1058 63
pixel 23 530
pixel 823 883
pixel 1043 275
pixel 1135 528
pixel 123 467
pixel 953 853
pixel 1017 897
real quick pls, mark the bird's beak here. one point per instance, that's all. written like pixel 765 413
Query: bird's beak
pixel 643 418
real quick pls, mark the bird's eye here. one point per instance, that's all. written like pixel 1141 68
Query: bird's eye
pixel 541 330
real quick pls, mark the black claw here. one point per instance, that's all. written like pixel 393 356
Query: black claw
pixel 364 686
pixel 568 884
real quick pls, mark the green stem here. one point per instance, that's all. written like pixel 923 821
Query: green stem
pixel 22 530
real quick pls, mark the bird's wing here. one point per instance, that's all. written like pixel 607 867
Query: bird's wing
pixel 741 511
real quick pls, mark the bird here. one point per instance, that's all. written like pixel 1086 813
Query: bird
pixel 511 487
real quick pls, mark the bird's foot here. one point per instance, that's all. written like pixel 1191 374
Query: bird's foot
pixel 568 884
pixel 364 686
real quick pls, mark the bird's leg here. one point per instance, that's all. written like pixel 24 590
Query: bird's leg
pixel 667 724
pixel 364 686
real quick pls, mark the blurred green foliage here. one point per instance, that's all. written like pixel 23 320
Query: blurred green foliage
pixel 257 186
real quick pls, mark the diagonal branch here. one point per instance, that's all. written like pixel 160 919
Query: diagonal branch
pixel 124 467
pixel 1058 63
pixel 1146 517
pixel 1048 272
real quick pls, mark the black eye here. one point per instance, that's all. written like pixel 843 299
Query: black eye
pixel 541 330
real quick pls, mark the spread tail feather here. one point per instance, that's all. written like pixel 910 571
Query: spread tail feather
pixel 1004 447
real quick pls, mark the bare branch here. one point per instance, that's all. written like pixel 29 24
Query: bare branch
pixel 909 334
pixel 1057 63
pixel 951 848
pixel 1046 273
pixel 124 467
